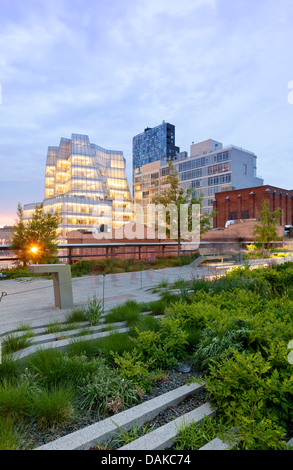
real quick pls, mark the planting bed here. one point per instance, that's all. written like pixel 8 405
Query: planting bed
pixel 233 332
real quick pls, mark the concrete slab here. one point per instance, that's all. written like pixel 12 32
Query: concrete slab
pixel 216 444
pixel 32 300
pixel 46 338
pixel 62 344
pixel 103 431
pixel 163 438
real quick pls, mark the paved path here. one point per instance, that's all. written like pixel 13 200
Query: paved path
pixel 32 301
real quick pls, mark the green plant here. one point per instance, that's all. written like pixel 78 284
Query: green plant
pixel 75 316
pixel 93 311
pixel 24 327
pixel 252 394
pixel 12 343
pixel 53 328
pixel 54 368
pixel 105 392
pixel 54 407
pixel 131 367
pixel 9 368
pixel 11 437
pixel 128 312
pixel 213 346
pixel 125 436
pixel 14 399
pixel 80 346
pixel 164 346
pixel 196 435
pixel 47 365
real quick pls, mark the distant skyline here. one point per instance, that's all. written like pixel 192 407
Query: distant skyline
pixel 215 69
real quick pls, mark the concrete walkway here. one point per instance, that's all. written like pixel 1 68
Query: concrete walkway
pixel 32 300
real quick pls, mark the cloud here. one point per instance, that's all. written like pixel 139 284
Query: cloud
pixel 214 68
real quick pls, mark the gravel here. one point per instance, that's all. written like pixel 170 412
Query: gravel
pixel 172 380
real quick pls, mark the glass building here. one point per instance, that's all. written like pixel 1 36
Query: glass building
pixel 87 184
pixel 157 143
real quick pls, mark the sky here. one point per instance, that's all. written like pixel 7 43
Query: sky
pixel 219 69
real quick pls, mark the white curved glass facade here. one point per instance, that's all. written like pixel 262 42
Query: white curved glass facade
pixel 87 184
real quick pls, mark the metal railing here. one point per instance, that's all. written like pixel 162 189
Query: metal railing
pixel 69 251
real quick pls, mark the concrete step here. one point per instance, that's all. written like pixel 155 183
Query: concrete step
pixel 103 431
pixel 62 344
pixel 163 437
pixel 49 337
pixel 216 444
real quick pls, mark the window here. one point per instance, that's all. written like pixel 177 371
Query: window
pixel 196 184
pixel 245 169
pixel 223 179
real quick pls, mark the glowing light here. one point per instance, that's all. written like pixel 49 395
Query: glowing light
pixel 34 250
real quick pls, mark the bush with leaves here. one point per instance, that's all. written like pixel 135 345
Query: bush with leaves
pixel 165 346
pixel 132 367
pixel 252 394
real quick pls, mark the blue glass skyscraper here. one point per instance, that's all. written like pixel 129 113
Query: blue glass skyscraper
pixel 157 143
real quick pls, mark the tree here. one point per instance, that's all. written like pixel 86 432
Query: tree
pixel 266 230
pixel 177 196
pixel 36 239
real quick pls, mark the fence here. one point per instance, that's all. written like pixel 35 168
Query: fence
pixel 70 253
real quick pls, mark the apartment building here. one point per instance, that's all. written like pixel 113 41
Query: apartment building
pixel 210 169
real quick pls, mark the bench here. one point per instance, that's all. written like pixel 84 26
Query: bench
pixel 62 282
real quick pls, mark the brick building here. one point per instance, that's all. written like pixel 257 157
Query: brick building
pixel 246 204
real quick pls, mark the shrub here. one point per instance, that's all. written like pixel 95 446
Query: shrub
pixel 164 346
pixel 251 395
pixel 131 367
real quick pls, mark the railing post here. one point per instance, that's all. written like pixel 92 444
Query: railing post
pixel 70 255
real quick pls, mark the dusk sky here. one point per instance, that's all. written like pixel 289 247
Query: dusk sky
pixel 219 69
